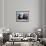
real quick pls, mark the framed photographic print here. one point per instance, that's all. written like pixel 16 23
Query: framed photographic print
pixel 22 16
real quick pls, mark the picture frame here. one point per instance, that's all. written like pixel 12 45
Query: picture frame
pixel 22 16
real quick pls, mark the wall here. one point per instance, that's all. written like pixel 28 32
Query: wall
pixel 45 12
pixel 44 18
pixel 35 15
pixel 1 15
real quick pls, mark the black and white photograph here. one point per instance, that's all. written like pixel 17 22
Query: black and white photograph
pixel 22 22
pixel 22 16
